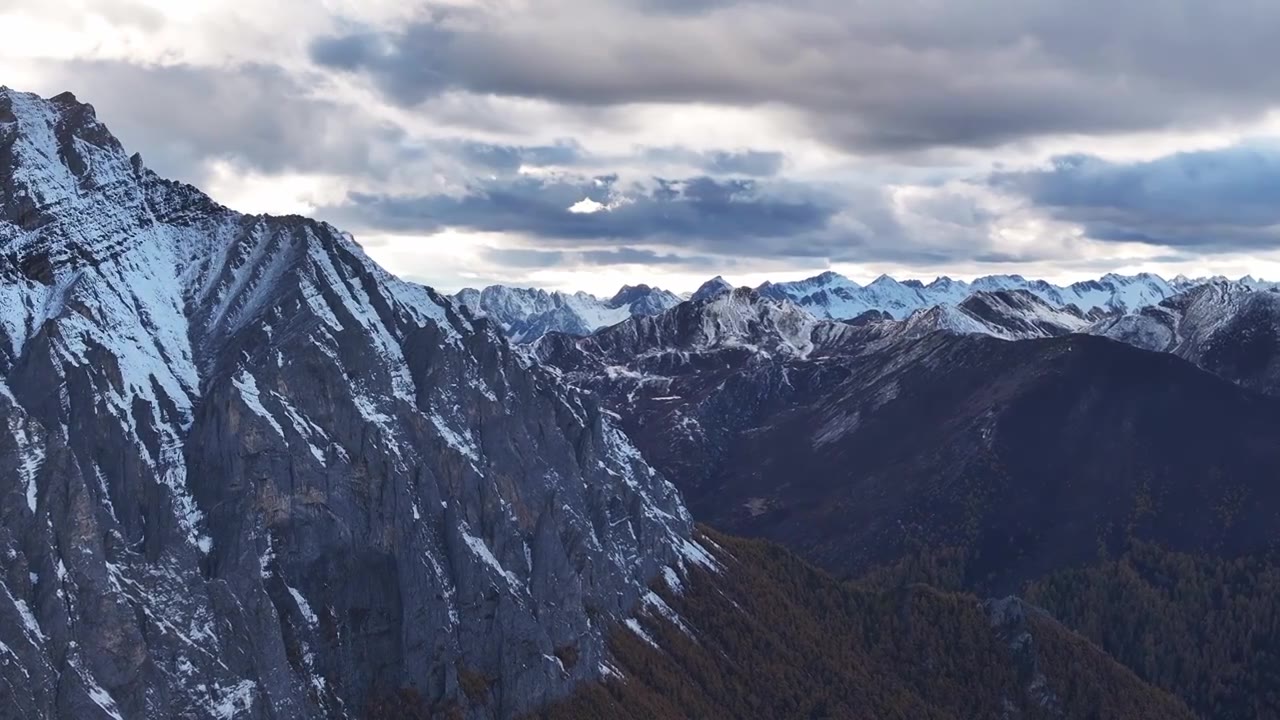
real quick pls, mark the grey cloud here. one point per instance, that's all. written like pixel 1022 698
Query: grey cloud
pixel 412 65
pixel 264 118
pixel 681 7
pixel 749 162
pixel 1215 200
pixel 641 256
pixel 568 152
pixel 271 121
pixel 696 222
pixel 701 209
pixel 870 76
pixel 254 115
pixel 509 158
pixel 754 163
pixel 526 258
pixel 119 13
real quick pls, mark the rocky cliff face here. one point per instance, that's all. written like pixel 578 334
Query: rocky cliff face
pixel 246 472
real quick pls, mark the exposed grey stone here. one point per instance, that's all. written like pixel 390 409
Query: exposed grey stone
pixel 267 478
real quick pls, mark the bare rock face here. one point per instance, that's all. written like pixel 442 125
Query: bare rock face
pixel 246 472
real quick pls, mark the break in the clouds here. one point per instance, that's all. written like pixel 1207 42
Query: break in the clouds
pixel 575 143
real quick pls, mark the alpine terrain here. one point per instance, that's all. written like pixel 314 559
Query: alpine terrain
pixel 526 314
pixel 247 473
pixel 1228 328
pixel 992 447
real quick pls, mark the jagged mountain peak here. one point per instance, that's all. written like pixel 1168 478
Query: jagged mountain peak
pixel 831 295
pixel 281 478
pixel 711 288
pixel 737 318
pixel 827 277
pixel 628 294
pixel 901 298
pixel 736 326
pixel 1021 314
pixel 525 314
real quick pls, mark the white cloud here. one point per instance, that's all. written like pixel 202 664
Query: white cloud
pixel 586 206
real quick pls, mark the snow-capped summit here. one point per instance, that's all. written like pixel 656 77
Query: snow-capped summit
pixel 1118 292
pixel 739 319
pixel 643 300
pixel 1182 283
pixel 1003 314
pixel 830 295
pixel 711 288
pixel 824 282
pixel 526 314
pixel 735 328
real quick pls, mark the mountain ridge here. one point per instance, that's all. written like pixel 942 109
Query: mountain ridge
pixel 248 472
pixel 525 314
pixel 528 313
pixel 740 428
pixel 1231 329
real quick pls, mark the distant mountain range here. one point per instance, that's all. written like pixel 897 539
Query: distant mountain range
pixel 526 314
pixel 770 421
pixel 1001 445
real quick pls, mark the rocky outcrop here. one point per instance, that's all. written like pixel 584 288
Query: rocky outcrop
pixel 246 472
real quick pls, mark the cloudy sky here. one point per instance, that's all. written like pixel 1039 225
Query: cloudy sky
pixel 581 144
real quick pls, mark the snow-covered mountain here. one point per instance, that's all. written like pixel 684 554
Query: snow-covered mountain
pixel 735 330
pixel 832 295
pixel 1182 283
pixel 1004 314
pixel 526 314
pixel 850 441
pixel 725 327
pixel 245 472
pixel 1229 328
pixel 711 288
